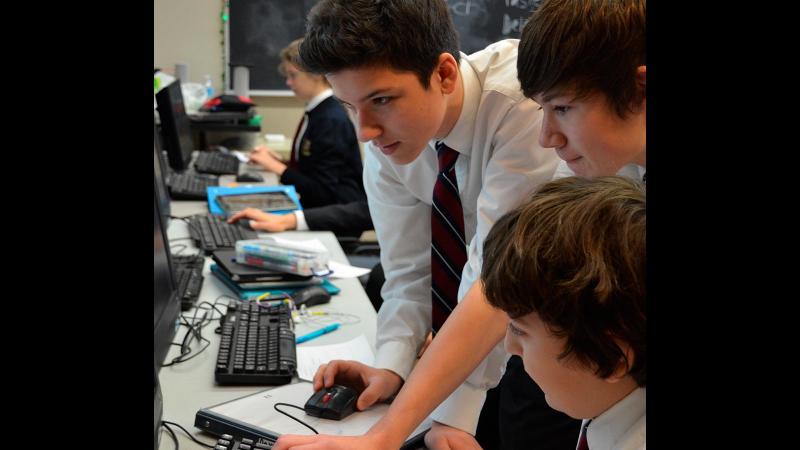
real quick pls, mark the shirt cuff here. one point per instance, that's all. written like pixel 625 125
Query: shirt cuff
pixel 462 408
pixel 301 221
pixel 392 355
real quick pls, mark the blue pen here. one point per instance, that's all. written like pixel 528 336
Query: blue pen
pixel 318 333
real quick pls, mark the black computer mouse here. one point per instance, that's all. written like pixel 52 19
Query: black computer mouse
pixel 249 176
pixel 310 296
pixel 335 402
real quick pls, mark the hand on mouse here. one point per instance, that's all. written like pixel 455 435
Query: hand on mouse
pixel 373 384
pixel 268 159
pixel 443 437
pixel 260 220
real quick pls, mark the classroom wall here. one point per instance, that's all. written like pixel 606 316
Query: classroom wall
pixel 188 31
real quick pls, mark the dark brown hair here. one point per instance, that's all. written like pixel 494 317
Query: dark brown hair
pixel 575 255
pixel 588 46
pixel 399 34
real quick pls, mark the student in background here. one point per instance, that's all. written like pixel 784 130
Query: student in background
pixel 595 49
pixel 325 160
pixel 415 98
pixel 568 269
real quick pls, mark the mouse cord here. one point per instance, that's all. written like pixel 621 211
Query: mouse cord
pixel 166 424
pixel 292 417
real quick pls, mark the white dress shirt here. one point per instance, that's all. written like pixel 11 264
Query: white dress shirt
pixel 621 427
pixel 500 163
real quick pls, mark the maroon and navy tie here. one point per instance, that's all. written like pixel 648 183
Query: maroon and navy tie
pixel 583 441
pixel 292 155
pixel 448 246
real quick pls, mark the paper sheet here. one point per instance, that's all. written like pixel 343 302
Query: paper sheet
pixel 346 271
pixel 309 357
pixel 274 137
pixel 240 156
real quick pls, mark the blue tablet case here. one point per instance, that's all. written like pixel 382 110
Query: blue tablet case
pixel 214 191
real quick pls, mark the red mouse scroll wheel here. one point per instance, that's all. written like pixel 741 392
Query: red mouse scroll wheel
pixel 326 397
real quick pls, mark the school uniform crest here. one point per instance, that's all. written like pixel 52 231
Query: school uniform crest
pixel 305 148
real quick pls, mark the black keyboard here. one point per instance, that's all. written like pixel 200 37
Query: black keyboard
pixel 190 186
pixel 228 442
pixel 211 233
pixel 189 271
pixel 257 345
pixel 217 163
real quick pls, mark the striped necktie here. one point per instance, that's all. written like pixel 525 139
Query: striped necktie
pixel 448 246
pixel 583 441
pixel 293 156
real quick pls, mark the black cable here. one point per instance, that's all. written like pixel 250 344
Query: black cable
pixel 182 247
pixel 194 331
pixel 171 433
pixel 188 221
pixel 165 422
pixel 292 417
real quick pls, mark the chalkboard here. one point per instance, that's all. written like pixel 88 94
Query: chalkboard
pixel 259 29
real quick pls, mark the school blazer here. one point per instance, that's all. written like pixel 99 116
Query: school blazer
pixel 328 169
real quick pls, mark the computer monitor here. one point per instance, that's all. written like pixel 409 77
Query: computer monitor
pixel 166 304
pixel 160 178
pixel 175 126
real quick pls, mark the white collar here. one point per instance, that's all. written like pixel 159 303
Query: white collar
pixel 319 98
pixel 607 429
pixel 460 136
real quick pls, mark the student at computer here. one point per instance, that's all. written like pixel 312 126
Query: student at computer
pixel 592 55
pixel 325 160
pixel 574 296
pixel 568 269
pixel 415 98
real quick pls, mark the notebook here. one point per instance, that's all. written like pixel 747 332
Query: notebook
pixel 250 294
pixel 242 274
pixel 255 415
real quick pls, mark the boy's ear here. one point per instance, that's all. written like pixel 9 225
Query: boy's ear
pixel 641 79
pixel 447 72
pixel 624 364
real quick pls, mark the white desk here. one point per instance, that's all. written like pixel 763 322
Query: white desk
pixel 189 386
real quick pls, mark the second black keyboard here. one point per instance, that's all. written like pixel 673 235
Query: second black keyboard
pixel 190 186
pixel 216 163
pixel 257 345
pixel 211 233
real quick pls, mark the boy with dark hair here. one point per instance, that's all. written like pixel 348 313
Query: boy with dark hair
pixel 451 146
pixel 568 268
pixel 585 63
pixel 589 134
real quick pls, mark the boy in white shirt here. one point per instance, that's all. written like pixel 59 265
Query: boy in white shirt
pixel 568 268
pixel 585 63
pixel 451 145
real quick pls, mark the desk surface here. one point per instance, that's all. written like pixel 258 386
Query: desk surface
pixel 189 386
